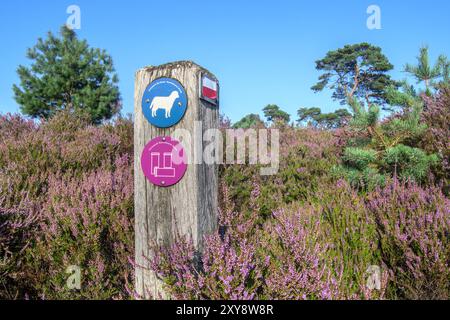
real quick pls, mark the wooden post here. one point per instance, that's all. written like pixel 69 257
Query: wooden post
pixel 188 207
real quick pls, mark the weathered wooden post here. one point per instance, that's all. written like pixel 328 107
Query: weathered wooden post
pixel 170 97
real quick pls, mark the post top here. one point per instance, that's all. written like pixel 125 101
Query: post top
pixel 179 64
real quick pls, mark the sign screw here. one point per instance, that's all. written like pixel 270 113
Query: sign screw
pixel 163 182
pixel 164 139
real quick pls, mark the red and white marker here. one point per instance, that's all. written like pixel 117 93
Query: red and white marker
pixel 209 90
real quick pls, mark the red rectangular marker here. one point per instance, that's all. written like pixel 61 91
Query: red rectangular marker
pixel 209 90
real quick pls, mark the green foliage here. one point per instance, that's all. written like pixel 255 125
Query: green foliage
pixel 409 162
pixel 308 114
pixel 359 158
pixel 362 118
pixel 347 225
pixel 358 71
pixel 424 71
pixel 407 127
pixel 273 113
pixel 379 149
pixel 369 177
pixel 444 63
pixel 315 117
pixel 249 121
pixel 66 74
pixel 403 98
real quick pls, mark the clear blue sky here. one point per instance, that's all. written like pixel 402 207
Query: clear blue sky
pixel 262 51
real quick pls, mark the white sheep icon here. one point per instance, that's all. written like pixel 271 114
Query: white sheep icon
pixel 165 103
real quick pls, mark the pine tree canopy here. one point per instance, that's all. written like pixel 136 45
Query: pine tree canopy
pixel 433 75
pixel 356 71
pixel 424 71
pixel 249 121
pixel 315 117
pixel 273 113
pixel 66 74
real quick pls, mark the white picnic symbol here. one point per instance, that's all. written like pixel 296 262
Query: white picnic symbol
pixel 161 165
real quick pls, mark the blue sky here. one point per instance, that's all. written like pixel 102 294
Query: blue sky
pixel 261 51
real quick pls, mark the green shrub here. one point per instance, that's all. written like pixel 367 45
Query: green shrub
pixel 359 158
pixel 409 163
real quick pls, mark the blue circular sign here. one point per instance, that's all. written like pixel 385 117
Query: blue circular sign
pixel 164 102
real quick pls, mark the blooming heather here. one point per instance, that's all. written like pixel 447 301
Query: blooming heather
pixel 414 227
pixel 66 199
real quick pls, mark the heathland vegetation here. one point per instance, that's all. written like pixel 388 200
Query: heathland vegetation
pixel 354 190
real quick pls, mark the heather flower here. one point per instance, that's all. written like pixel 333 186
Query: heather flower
pixel 301 270
pixel 66 198
pixel 414 224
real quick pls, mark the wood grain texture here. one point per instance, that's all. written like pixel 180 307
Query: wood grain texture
pixel 190 206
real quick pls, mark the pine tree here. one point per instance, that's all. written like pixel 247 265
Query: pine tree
pixel 424 71
pixel 444 63
pixel 249 121
pixel 316 118
pixel 386 148
pixel 66 74
pixel 356 71
pixel 308 115
pixel 358 76
pixel 274 114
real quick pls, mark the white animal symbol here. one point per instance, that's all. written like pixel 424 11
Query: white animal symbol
pixel 165 103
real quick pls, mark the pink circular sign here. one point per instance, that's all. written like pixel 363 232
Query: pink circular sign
pixel 163 161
